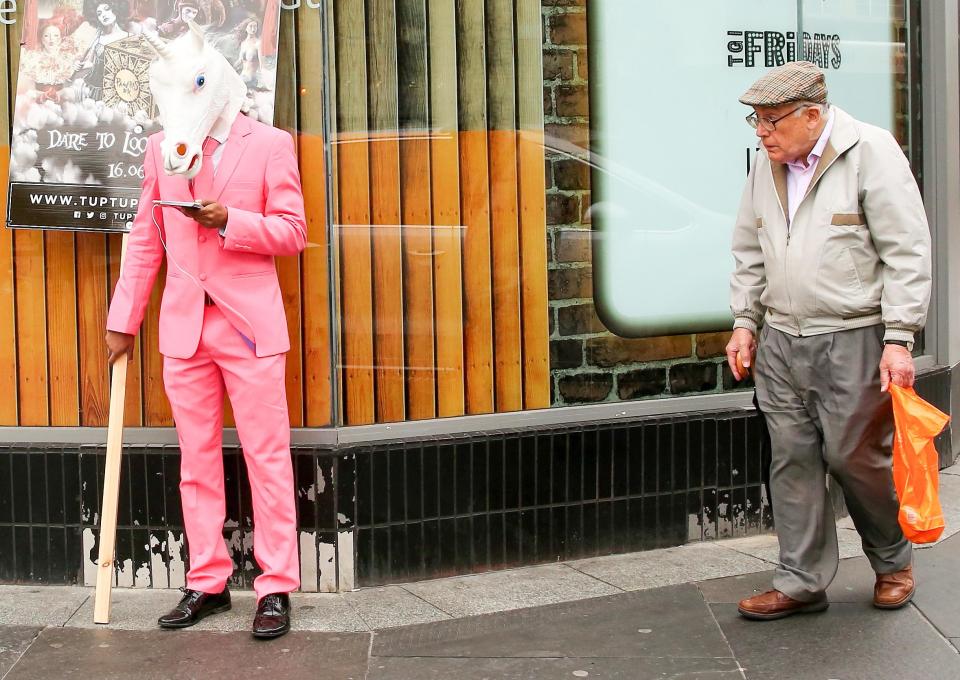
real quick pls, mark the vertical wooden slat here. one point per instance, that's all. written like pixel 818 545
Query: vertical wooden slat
pixel 475 205
pixel 62 328
pixel 353 188
pixel 91 318
pixel 502 138
pixel 415 178
pixel 133 395
pixel 8 328
pixel 445 199
pixel 288 268
pixel 14 34
pixel 316 289
pixel 385 210
pixel 533 242
pixel 31 327
pixel 29 291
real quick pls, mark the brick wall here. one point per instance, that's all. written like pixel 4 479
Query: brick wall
pixel 587 362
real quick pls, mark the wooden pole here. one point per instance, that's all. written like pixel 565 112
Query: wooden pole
pixel 111 482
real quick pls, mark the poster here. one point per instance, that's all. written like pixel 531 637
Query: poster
pixel 670 149
pixel 83 108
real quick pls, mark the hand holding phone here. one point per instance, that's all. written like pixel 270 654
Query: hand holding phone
pixel 179 204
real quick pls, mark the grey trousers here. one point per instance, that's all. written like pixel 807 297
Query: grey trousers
pixel 821 399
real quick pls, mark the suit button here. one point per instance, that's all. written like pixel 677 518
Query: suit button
pixel 203 277
pixel 203 239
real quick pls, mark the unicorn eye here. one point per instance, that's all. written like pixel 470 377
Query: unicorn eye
pixel 201 79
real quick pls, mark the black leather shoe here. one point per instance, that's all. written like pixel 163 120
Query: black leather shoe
pixel 194 606
pixel 273 616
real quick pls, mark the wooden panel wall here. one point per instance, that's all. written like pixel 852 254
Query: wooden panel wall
pixel 437 299
pixel 9 412
pixel 438 109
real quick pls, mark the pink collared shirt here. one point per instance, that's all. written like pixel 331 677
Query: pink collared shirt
pixel 799 176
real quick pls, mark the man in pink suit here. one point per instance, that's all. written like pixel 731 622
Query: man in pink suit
pixel 222 328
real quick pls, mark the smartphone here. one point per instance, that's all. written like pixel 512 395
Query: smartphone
pixel 179 204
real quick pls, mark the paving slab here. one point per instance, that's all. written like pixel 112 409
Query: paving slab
pixel 670 566
pixel 667 622
pixel 68 653
pixel 40 605
pixel 766 547
pixel 134 609
pixel 950 503
pixel 512 589
pixel 391 668
pixel 853 583
pixel 847 641
pixel 763 547
pixel 392 606
pixel 14 641
pixel 936 596
pixel 952 470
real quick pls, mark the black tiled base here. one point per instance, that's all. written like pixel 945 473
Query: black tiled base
pixel 413 510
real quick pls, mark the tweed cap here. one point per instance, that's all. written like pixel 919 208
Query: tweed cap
pixel 798 80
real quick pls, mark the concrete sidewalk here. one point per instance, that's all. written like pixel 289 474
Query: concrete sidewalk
pixel 664 613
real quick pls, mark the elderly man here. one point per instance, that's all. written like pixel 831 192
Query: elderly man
pixel 832 254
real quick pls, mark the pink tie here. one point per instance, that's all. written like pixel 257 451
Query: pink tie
pixel 203 182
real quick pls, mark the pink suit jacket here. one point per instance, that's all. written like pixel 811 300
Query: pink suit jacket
pixel 258 181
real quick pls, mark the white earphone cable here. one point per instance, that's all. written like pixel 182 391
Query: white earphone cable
pixel 171 258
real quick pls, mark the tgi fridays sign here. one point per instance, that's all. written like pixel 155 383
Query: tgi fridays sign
pixel 773 48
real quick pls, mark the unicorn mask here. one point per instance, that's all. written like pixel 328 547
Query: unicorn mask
pixel 198 94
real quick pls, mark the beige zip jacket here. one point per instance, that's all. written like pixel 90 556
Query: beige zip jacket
pixel 857 252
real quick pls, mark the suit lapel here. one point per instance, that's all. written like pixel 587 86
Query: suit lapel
pixel 232 153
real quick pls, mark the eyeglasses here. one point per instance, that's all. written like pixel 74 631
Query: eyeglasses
pixel 770 124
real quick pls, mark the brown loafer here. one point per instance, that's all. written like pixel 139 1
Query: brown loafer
pixel 775 605
pixel 893 591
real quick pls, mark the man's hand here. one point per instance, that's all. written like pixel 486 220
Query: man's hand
pixel 119 344
pixel 742 345
pixel 212 215
pixel 896 366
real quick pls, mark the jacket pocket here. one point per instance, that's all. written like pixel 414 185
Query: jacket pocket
pixel 848 272
pixel 849 220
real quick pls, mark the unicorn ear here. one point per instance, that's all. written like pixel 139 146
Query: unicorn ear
pixel 197 33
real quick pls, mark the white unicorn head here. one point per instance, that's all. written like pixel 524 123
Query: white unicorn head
pixel 198 94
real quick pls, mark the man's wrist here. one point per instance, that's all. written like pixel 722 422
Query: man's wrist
pixel 902 343
pixel 746 323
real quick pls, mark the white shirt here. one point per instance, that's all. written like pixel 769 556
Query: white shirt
pixel 218 153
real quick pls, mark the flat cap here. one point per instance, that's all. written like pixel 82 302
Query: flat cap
pixel 798 80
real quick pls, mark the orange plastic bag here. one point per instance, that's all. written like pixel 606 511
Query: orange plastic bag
pixel 915 464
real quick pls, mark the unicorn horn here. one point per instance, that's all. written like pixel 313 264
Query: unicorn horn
pixel 160 47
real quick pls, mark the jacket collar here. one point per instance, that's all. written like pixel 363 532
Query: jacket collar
pixel 843 136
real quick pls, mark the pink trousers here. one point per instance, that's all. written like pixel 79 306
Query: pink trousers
pixel 195 387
